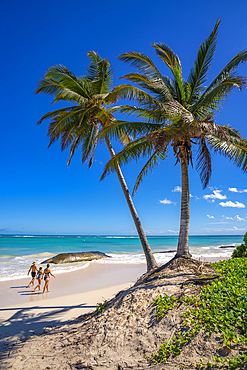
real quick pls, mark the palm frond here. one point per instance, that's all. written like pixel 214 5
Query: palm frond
pixel 212 99
pixel 132 151
pixel 132 129
pixel 234 148
pixel 198 74
pixel 143 63
pixel 89 138
pixel 167 55
pixel 241 57
pixel 57 112
pixel 60 124
pixel 73 147
pixel 94 146
pixel 203 165
pixel 92 70
pixel 154 85
pixel 103 80
pixel 59 78
pixel 152 162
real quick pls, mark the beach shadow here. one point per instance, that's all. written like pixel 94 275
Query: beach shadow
pixel 18 287
pixel 29 321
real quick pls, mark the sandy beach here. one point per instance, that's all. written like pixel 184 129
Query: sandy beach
pixel 65 331
pixel 24 313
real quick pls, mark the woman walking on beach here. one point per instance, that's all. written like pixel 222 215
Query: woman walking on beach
pixel 47 273
pixel 39 278
pixel 33 270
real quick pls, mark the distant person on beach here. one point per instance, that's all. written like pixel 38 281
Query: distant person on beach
pixel 39 278
pixel 47 273
pixel 33 270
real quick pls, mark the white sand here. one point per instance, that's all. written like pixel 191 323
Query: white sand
pixel 23 313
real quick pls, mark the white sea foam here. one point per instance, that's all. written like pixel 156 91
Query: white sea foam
pixel 16 267
pixel 121 237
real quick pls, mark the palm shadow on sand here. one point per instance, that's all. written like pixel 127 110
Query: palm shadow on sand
pixel 28 321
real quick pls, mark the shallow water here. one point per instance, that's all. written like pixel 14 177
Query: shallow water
pixel 17 252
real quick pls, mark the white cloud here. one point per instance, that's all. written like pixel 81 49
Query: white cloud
pixel 235 190
pixel 194 196
pixel 227 218
pixel 232 204
pixel 216 195
pixel 172 231
pixel 177 189
pixel 239 218
pixel 167 201
pixel 220 230
pixel 210 216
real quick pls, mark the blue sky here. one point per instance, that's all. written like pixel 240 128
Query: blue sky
pixel 38 193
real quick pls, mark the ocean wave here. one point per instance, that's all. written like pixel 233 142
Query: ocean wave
pixel 120 237
pixel 61 269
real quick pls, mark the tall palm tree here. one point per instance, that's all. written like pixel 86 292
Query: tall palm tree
pixel 78 124
pixel 185 111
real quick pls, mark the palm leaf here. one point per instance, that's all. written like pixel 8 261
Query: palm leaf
pixel 119 128
pixel 143 63
pixel 167 55
pixel 212 99
pixel 134 150
pixel 241 57
pixel 152 162
pixel 234 148
pixel 198 74
pixel 154 85
pixel 204 162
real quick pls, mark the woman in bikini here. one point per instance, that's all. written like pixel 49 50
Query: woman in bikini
pixel 33 268
pixel 39 278
pixel 47 273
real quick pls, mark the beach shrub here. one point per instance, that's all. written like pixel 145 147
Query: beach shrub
pixel 164 304
pixel 221 307
pixel 241 250
pixel 102 306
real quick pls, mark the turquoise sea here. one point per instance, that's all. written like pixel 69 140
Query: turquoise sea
pixel 17 252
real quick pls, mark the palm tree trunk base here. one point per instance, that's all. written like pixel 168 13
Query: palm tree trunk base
pixel 186 255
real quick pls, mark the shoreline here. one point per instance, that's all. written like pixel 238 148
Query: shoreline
pixel 94 277
pixel 24 313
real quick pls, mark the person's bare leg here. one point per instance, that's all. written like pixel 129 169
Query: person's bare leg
pixel 31 282
pixel 47 287
pixel 44 287
pixel 39 284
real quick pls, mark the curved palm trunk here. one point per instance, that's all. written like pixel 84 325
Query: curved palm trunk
pixel 151 263
pixel 183 242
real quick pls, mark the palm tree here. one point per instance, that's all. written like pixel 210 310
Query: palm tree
pixel 185 111
pixel 78 124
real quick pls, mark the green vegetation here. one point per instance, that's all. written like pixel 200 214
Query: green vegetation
pixel 164 304
pixel 241 250
pixel 102 306
pixel 219 308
